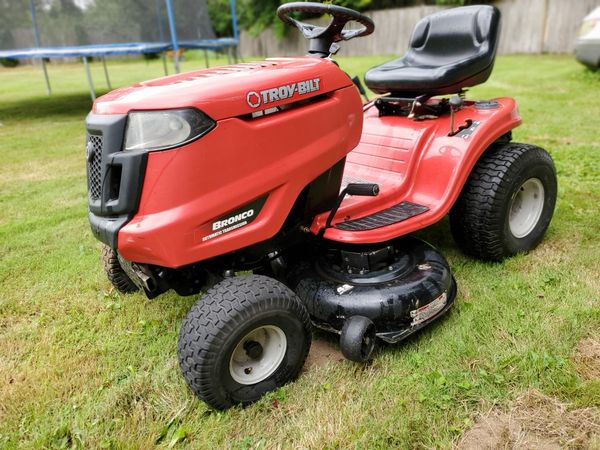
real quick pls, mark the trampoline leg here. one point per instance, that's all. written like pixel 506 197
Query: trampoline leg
pixel 176 60
pixel 48 87
pixel 164 58
pixel 172 29
pixel 89 78
pixel 228 55
pixel 106 73
pixel 206 58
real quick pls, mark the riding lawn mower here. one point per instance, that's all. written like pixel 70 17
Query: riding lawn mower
pixel 289 203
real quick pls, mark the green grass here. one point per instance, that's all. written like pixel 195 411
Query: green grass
pixel 81 366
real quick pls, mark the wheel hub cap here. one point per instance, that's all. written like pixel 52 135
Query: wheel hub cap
pixel 258 355
pixel 253 349
pixel 526 208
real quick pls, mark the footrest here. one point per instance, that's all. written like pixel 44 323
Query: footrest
pixel 389 216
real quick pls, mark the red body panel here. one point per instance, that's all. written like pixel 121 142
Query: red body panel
pixel 187 188
pixel 276 156
pixel 415 161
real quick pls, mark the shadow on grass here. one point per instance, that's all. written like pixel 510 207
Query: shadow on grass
pixel 438 234
pixel 43 107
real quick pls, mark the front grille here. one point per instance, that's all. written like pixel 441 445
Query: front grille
pixel 94 158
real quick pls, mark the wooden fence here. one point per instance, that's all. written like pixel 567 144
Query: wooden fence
pixel 528 26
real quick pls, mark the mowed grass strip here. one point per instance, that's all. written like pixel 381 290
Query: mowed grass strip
pixel 82 366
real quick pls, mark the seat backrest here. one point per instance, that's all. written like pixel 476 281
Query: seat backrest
pixel 449 50
pixel 453 34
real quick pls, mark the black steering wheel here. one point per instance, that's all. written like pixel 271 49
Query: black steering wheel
pixel 322 37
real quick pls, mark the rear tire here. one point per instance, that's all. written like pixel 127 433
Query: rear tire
pixel 115 273
pixel 507 203
pixel 246 336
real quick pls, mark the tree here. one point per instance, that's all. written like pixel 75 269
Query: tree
pixel 220 15
pixel 12 15
pixel 256 15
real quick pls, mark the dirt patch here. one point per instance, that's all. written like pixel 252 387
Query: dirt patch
pixel 322 352
pixel 587 358
pixel 501 431
pixel 535 422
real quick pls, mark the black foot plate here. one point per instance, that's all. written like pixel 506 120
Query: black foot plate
pixel 389 216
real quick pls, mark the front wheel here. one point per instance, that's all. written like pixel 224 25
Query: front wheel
pixel 248 335
pixel 507 203
pixel 114 271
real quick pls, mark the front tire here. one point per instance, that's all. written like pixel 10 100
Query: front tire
pixel 246 336
pixel 507 203
pixel 115 273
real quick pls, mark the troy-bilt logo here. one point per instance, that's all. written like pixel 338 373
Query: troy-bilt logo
pixel 233 219
pixel 255 99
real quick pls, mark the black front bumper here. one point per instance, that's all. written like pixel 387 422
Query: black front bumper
pixel 115 177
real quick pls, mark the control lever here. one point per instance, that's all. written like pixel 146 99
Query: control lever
pixel 455 104
pixel 334 48
pixel 360 189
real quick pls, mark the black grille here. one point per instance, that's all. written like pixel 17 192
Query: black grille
pixel 94 158
pixel 394 214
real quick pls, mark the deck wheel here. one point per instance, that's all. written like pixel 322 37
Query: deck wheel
pixel 357 339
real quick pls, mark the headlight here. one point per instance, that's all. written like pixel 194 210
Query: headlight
pixel 159 130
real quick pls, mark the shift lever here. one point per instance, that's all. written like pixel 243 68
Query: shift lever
pixel 455 104
pixel 359 189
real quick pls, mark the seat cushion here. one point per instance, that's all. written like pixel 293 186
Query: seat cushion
pixel 448 51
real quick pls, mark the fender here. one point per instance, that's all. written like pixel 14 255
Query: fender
pixel 417 162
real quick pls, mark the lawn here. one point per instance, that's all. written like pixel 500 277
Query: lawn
pixel 83 366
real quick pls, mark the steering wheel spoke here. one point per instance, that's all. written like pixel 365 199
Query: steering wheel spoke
pixel 309 31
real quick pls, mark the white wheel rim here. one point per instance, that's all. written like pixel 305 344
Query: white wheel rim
pixel 526 208
pixel 245 369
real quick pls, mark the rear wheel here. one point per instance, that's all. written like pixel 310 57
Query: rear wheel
pixel 246 336
pixel 115 273
pixel 507 203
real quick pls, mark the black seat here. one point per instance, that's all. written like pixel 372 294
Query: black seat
pixel 449 50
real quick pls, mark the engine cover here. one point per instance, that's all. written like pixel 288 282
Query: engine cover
pixel 231 91
pixel 280 125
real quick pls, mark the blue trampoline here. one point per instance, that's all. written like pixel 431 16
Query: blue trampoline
pixel 197 34
pixel 131 48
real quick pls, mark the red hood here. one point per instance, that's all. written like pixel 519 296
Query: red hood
pixel 222 92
